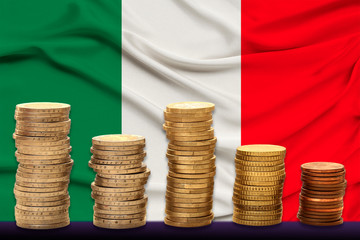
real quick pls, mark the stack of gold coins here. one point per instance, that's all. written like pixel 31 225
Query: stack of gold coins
pixel 191 158
pixel 43 153
pixel 321 197
pixel 260 174
pixel 118 189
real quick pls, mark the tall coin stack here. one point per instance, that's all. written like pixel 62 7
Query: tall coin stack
pixel 118 189
pixel 43 153
pixel 260 174
pixel 191 158
pixel 321 197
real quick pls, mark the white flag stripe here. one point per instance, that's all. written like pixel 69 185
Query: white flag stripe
pixel 177 51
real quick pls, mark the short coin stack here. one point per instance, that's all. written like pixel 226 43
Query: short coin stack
pixel 43 153
pixel 260 174
pixel 321 197
pixel 191 158
pixel 118 189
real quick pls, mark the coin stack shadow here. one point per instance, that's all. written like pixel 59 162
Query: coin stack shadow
pixel 119 186
pixel 190 153
pixel 260 174
pixel 43 153
pixel 321 197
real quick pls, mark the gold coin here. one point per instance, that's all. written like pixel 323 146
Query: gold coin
pixel 188 119
pixel 188 215
pixel 193 171
pixel 119 148
pixel 190 219
pixel 177 180
pixel 260 183
pixel 99 167
pixel 129 176
pixel 43 153
pixel 192 162
pixel 257 217
pixel 187 115
pixel 118 212
pixel 187 210
pixel 66 124
pixel 191 148
pixel 259 178
pixel 256 197
pixel 190 139
pixel 118 184
pixel 270 175
pixel 256 223
pixel 190 153
pixel 40 194
pixel 190 185
pixel 41 180
pixel 42 119
pixel 39 139
pixel 189 205
pixel 258 193
pixel 114 200
pixel 184 129
pixel 44 162
pixel 261 150
pixel 42 176
pixel 189 191
pixel 114 162
pixel 116 153
pixel 125 209
pixel 187 200
pixel 24 183
pixel 190 107
pixel 45 129
pixel 39 213
pixel 43 107
pixel 190 166
pixel 41 199
pixel 121 194
pixel 189 195
pixel 194 143
pixel 187 224
pixel 42 210
pixel 189 124
pixel 118 140
pixel 30 149
pixel 97 188
pixel 258 213
pixel 189 158
pixel 30 143
pixel 50 218
pixel 241 168
pixel 209 132
pixel 42 203
pixel 106 172
pixel 191 176
pixel 41 157
pixel 256 203
pixel 40 115
pixel 257 188
pixel 43 171
pixel 39 190
pixel 60 166
pixel 258 163
pixel 119 224
pixel 120 157
pixel 43 226
pixel 119 216
pixel 259 158
pixel 46 221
